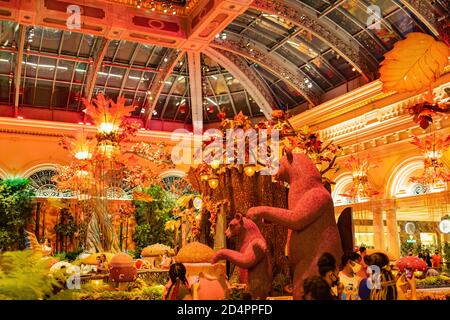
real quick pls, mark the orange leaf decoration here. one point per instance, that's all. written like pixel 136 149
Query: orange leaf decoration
pixel 142 196
pixel 107 111
pixel 414 63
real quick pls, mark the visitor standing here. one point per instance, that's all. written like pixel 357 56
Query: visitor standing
pixel 178 287
pixel 363 272
pixel 383 283
pixel 428 259
pixel 329 271
pixel 436 260
pixel 316 288
pixel 351 265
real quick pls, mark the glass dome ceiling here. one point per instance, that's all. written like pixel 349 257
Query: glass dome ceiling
pixel 58 66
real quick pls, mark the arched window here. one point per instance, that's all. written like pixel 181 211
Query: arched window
pixel 177 185
pixel 343 186
pixel 43 186
pixel 400 185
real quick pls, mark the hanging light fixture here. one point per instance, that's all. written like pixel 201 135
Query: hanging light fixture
pixel 435 173
pixel 250 170
pixel 361 189
pixel 213 181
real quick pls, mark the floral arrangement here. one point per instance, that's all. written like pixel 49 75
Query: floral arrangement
pixel 190 216
pixel 108 115
pixel 304 140
pixel 432 147
pixel 424 112
pixel 106 163
pixel 213 207
pixel 361 188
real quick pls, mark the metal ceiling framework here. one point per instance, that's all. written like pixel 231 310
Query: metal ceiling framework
pixel 259 43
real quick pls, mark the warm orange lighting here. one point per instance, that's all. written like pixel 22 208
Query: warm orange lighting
pixel 213 182
pixel 107 127
pixel 204 177
pixel 250 170
pixel 83 155
pixel 215 164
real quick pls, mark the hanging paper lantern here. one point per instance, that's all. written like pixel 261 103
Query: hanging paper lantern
pixel 182 109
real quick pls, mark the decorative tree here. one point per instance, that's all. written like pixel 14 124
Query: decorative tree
pixel 228 186
pixel 102 169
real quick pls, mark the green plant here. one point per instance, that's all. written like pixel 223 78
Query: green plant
pixel 15 212
pixel 406 248
pixel 446 251
pixel 24 275
pixel 434 281
pixel 151 217
pixel 153 292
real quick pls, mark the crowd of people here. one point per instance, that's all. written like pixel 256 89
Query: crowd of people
pixel 358 276
pixel 363 277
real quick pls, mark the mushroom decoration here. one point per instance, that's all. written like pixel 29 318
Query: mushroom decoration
pixel 209 280
pixel 122 269
pixel 411 263
pixel 153 254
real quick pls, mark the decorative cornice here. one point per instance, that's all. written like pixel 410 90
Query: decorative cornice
pixel 59 129
pixel 375 118
pixel 424 11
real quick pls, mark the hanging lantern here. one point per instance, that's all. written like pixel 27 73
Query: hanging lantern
pixel 435 173
pixel 250 170
pixel 204 177
pixel 361 189
pixel 182 109
pixel 213 181
pixel 215 164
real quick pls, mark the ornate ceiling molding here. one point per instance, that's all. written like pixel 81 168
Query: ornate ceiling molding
pixel 94 68
pixel 247 77
pixel 280 67
pixel 346 47
pixel 424 11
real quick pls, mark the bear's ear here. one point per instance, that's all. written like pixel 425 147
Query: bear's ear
pixel 289 155
pixel 238 216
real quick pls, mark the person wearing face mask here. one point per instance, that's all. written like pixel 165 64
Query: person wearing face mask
pixel 330 273
pixel 351 265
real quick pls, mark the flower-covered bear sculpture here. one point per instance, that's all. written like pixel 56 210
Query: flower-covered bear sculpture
pixel 310 217
pixel 252 258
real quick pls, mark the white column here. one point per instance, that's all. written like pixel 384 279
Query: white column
pixel 378 229
pixel 195 82
pixel 393 241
